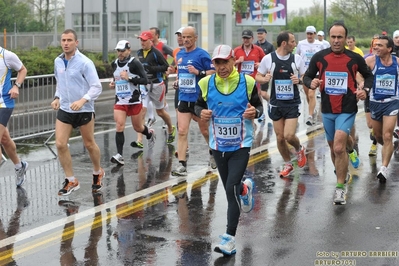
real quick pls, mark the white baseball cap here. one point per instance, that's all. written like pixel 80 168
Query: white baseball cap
pixel 321 33
pixel 222 51
pixel 122 45
pixel 395 33
pixel 180 30
pixel 311 29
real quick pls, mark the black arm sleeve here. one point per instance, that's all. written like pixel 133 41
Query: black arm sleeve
pixel 256 102
pixel 137 68
pixel 159 67
pixel 167 50
pixel 113 66
pixel 200 104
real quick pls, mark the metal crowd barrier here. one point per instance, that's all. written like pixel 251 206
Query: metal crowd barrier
pixel 32 114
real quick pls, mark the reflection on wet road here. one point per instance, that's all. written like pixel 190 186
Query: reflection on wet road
pixel 144 216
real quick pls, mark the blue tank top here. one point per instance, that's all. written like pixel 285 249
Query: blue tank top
pixel 228 130
pixel 385 80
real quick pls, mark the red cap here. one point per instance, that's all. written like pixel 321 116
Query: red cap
pixel 146 35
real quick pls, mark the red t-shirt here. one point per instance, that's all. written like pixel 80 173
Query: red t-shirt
pixel 254 56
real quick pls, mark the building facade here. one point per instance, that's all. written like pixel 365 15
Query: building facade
pixel 124 19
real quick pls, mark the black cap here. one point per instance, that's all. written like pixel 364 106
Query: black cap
pixel 247 33
pixel 261 30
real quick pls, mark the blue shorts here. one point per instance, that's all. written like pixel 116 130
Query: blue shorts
pixel 5 114
pixel 334 122
pixel 379 110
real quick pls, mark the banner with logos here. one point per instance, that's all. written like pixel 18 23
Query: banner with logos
pixel 263 12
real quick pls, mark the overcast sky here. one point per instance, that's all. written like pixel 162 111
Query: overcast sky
pixel 296 4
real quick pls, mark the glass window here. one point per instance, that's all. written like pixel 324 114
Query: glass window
pixel 91 23
pixel 164 26
pixel 128 22
pixel 220 29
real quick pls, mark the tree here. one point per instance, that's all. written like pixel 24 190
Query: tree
pixel 298 20
pixel 44 13
pixel 13 15
pixel 387 12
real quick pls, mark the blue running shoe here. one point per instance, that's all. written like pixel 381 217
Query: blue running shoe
pixel 227 246
pixel 248 201
pixel 354 159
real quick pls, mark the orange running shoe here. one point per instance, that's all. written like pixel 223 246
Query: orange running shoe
pixel 301 157
pixel 98 181
pixel 286 170
pixel 68 187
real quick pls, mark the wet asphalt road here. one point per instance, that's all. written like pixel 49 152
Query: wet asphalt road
pixel 145 216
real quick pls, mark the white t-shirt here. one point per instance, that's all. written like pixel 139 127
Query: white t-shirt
pixel 306 50
pixel 267 65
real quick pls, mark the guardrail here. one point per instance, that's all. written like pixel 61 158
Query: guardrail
pixel 33 116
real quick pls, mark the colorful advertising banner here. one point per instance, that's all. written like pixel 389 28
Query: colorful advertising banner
pixel 263 12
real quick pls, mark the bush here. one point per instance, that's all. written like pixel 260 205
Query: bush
pixel 41 62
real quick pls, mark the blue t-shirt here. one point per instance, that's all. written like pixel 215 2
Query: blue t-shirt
pixel 188 83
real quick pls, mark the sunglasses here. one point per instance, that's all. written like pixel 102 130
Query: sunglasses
pixel 120 51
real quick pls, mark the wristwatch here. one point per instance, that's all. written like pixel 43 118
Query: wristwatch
pixel 18 85
pixel 367 90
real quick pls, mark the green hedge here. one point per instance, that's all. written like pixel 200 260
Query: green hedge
pixel 41 62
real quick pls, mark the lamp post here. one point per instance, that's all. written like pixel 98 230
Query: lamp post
pixel 55 23
pixel 105 32
pixel 117 16
pixel 325 17
pixel 82 22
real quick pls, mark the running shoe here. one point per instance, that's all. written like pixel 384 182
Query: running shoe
pixel 69 187
pixel 137 144
pixel 301 157
pixel 227 246
pixel 180 171
pixel 396 132
pixel 373 150
pixel 98 181
pixel 212 162
pixel 20 174
pixel 118 159
pixel 171 136
pixel 354 159
pixel 383 174
pixel 151 122
pixel 340 196
pixel 286 170
pixel 247 200
pixel 309 121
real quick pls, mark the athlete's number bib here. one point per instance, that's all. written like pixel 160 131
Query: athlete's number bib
pixel 284 89
pixel 385 84
pixel 336 83
pixel 248 67
pixel 309 56
pixel 228 131
pixel 122 89
pixel 187 83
